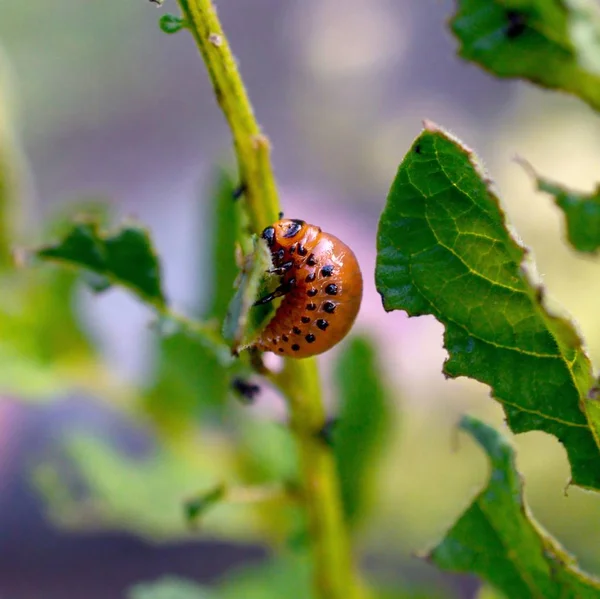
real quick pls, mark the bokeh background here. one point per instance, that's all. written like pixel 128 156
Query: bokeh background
pixel 97 103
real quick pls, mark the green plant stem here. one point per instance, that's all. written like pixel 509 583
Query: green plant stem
pixel 251 145
pixel 334 576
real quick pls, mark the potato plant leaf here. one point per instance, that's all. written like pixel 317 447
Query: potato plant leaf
pixel 498 539
pixel 364 416
pixel 244 321
pixel 581 210
pixel 125 257
pixel 444 249
pixel 553 43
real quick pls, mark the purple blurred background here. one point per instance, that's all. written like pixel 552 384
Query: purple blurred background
pixel 107 106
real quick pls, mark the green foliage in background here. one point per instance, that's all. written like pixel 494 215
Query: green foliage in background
pixel 170 587
pixel 44 350
pixel 444 248
pixel 554 43
pixel 125 257
pixel 190 381
pixel 498 539
pixel 364 417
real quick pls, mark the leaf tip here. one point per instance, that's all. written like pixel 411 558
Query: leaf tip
pixel 431 127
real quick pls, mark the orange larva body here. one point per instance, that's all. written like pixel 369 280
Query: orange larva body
pixel 323 290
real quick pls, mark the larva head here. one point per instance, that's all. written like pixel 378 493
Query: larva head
pixel 285 232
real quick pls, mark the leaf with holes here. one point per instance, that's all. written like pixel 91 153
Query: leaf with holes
pixel 125 257
pixel 555 43
pixel 444 249
pixel 498 539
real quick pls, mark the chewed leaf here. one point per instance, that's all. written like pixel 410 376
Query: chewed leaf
pixel 581 210
pixel 498 539
pixel 125 257
pixel 244 321
pixel 554 43
pixel 444 249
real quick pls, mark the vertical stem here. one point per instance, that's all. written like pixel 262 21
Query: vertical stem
pixel 251 146
pixel 334 577
pixel 333 572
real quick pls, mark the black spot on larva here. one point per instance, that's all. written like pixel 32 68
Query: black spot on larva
pixel 295 347
pixel 310 278
pixel 329 307
pixel 310 338
pixel 311 260
pixel 311 307
pixel 273 341
pixel 294 228
pixel 279 254
pixel 293 249
pixel 327 270
pixel 305 319
pixel 322 324
pixel 281 350
pixel 302 251
pixel 331 289
pixel 269 235
pixel 517 24
pixel 311 292
pixel 418 149
pixel 297 331
pixel 285 338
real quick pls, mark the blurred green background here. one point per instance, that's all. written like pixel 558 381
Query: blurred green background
pixel 104 429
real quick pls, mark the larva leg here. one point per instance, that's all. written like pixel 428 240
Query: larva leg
pixel 280 291
pixel 281 270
